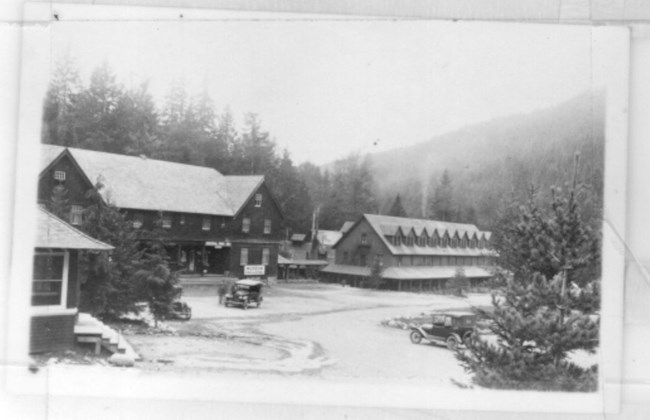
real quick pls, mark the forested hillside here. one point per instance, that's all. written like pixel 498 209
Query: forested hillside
pixel 467 175
pixel 464 176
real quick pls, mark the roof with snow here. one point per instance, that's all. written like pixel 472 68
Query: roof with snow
pixel 134 182
pixel 346 226
pixel 388 226
pixel 52 232
pixel 328 237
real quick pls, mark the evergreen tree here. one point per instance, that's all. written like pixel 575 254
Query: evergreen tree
pixel 292 195
pixel 539 317
pixel 441 203
pixel 397 209
pixel 157 282
pixel 110 290
pixel 257 150
pixel 59 204
pixel 60 103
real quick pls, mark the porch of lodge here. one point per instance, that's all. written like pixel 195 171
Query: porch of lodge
pixel 200 258
pixel 299 268
pixel 411 279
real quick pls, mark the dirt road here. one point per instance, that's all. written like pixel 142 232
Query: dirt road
pixel 325 331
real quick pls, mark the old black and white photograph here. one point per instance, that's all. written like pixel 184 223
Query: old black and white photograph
pixel 305 210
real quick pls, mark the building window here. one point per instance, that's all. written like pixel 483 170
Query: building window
pixel 362 260
pixel 364 239
pixel 50 279
pixel 454 242
pixel 422 241
pixel 59 175
pixel 258 200
pixel 267 226
pixel 207 223
pixel 167 221
pixel 463 243
pixel 182 220
pixel 266 253
pixel 346 256
pixel 243 257
pixel 138 220
pixel 246 225
pixel 76 215
pixel 397 240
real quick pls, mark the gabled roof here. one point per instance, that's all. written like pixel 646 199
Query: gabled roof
pixel 346 226
pixel 389 225
pixel 52 232
pixel 133 182
pixel 240 189
pixel 49 153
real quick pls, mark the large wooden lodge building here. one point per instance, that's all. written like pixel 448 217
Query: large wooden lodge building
pixel 415 254
pixel 214 224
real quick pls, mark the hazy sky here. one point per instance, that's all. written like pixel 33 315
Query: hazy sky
pixel 327 88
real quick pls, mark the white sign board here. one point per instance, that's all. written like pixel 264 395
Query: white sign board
pixel 254 270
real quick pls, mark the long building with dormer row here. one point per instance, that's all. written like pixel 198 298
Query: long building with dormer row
pixel 214 224
pixel 414 254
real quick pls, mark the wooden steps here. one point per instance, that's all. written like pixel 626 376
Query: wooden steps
pixel 90 330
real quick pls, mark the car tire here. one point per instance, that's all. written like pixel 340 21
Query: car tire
pixel 416 337
pixel 452 342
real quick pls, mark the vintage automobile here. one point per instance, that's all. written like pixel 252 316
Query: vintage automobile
pixel 179 309
pixel 452 329
pixel 244 293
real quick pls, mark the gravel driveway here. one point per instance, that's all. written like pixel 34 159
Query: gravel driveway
pixel 325 331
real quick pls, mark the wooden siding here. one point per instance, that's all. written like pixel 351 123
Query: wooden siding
pixel 75 182
pixel 51 333
pixel 350 246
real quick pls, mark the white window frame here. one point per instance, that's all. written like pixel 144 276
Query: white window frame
pixel 243 256
pixel 266 256
pixel 267 226
pixel 138 220
pixel 206 223
pixel 258 200
pixel 59 175
pixel 167 218
pixel 246 225
pixel 76 214
pixel 63 303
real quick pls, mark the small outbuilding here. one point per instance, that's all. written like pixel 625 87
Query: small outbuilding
pixel 55 282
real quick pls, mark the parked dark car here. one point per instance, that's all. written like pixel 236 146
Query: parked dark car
pixel 245 293
pixel 451 329
pixel 180 310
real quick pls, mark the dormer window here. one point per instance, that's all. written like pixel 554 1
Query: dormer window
pixel 397 240
pixel 59 175
pixel 258 200
pixel 422 241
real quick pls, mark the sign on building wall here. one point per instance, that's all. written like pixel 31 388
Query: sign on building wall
pixel 253 270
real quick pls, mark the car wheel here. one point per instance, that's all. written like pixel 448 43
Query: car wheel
pixel 416 337
pixel 452 342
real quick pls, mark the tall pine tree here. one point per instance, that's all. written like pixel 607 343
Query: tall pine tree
pixel 546 309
